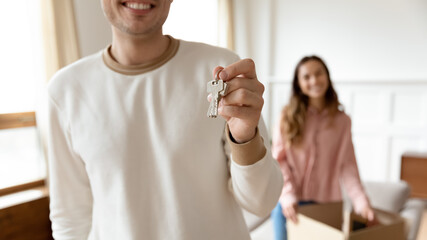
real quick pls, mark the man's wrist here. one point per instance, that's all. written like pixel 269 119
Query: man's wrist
pixel 245 140
pixel 249 152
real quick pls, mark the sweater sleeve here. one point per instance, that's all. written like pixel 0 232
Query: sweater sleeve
pixel 70 192
pixel 255 187
pixel 288 196
pixel 349 173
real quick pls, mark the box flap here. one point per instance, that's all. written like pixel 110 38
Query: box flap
pixel 391 227
pixel 324 222
pixel 394 231
pixel 308 228
pixel 327 213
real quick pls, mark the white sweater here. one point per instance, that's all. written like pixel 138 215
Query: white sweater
pixel 133 155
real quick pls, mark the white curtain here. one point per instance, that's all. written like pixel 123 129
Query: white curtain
pixel 253 33
pixel 60 35
pixel 60 47
pixel 226 24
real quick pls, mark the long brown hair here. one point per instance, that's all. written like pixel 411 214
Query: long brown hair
pixel 294 114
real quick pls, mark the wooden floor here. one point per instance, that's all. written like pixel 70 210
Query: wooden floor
pixel 422 234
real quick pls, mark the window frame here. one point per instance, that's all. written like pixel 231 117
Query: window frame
pixel 19 120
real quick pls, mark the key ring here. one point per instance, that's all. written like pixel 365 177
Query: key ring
pixel 225 91
pixel 217 74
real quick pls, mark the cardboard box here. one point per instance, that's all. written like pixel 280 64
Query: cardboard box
pixel 328 222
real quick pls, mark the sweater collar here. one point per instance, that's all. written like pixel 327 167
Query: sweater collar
pixel 314 111
pixel 141 68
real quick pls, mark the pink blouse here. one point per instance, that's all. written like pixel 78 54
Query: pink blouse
pixel 315 169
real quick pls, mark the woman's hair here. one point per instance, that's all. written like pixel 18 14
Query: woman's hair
pixel 293 114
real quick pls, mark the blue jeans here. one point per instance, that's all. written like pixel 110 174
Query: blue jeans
pixel 279 221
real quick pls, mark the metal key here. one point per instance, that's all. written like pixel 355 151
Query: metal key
pixel 218 89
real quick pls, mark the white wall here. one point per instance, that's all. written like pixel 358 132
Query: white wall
pixel 93 30
pixel 359 39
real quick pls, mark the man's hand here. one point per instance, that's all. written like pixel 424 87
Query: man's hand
pixel 242 105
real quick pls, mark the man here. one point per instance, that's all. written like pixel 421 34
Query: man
pixel 132 153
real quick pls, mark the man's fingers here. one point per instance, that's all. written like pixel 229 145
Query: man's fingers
pixel 245 67
pixel 238 83
pixel 241 112
pixel 216 70
pixel 243 97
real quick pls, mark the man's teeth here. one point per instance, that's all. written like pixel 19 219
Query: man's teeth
pixel 138 6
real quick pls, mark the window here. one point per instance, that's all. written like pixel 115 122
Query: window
pixel 185 23
pixel 22 74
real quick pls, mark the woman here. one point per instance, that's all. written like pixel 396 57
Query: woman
pixel 313 146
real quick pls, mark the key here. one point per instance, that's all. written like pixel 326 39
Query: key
pixel 217 88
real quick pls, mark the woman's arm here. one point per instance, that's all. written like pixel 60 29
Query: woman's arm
pixel 278 149
pixel 350 175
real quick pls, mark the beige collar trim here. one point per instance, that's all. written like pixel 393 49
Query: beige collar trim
pixel 141 68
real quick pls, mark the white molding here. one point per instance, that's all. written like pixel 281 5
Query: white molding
pixel 274 80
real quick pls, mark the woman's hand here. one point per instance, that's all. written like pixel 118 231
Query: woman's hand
pixel 369 214
pixel 290 212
